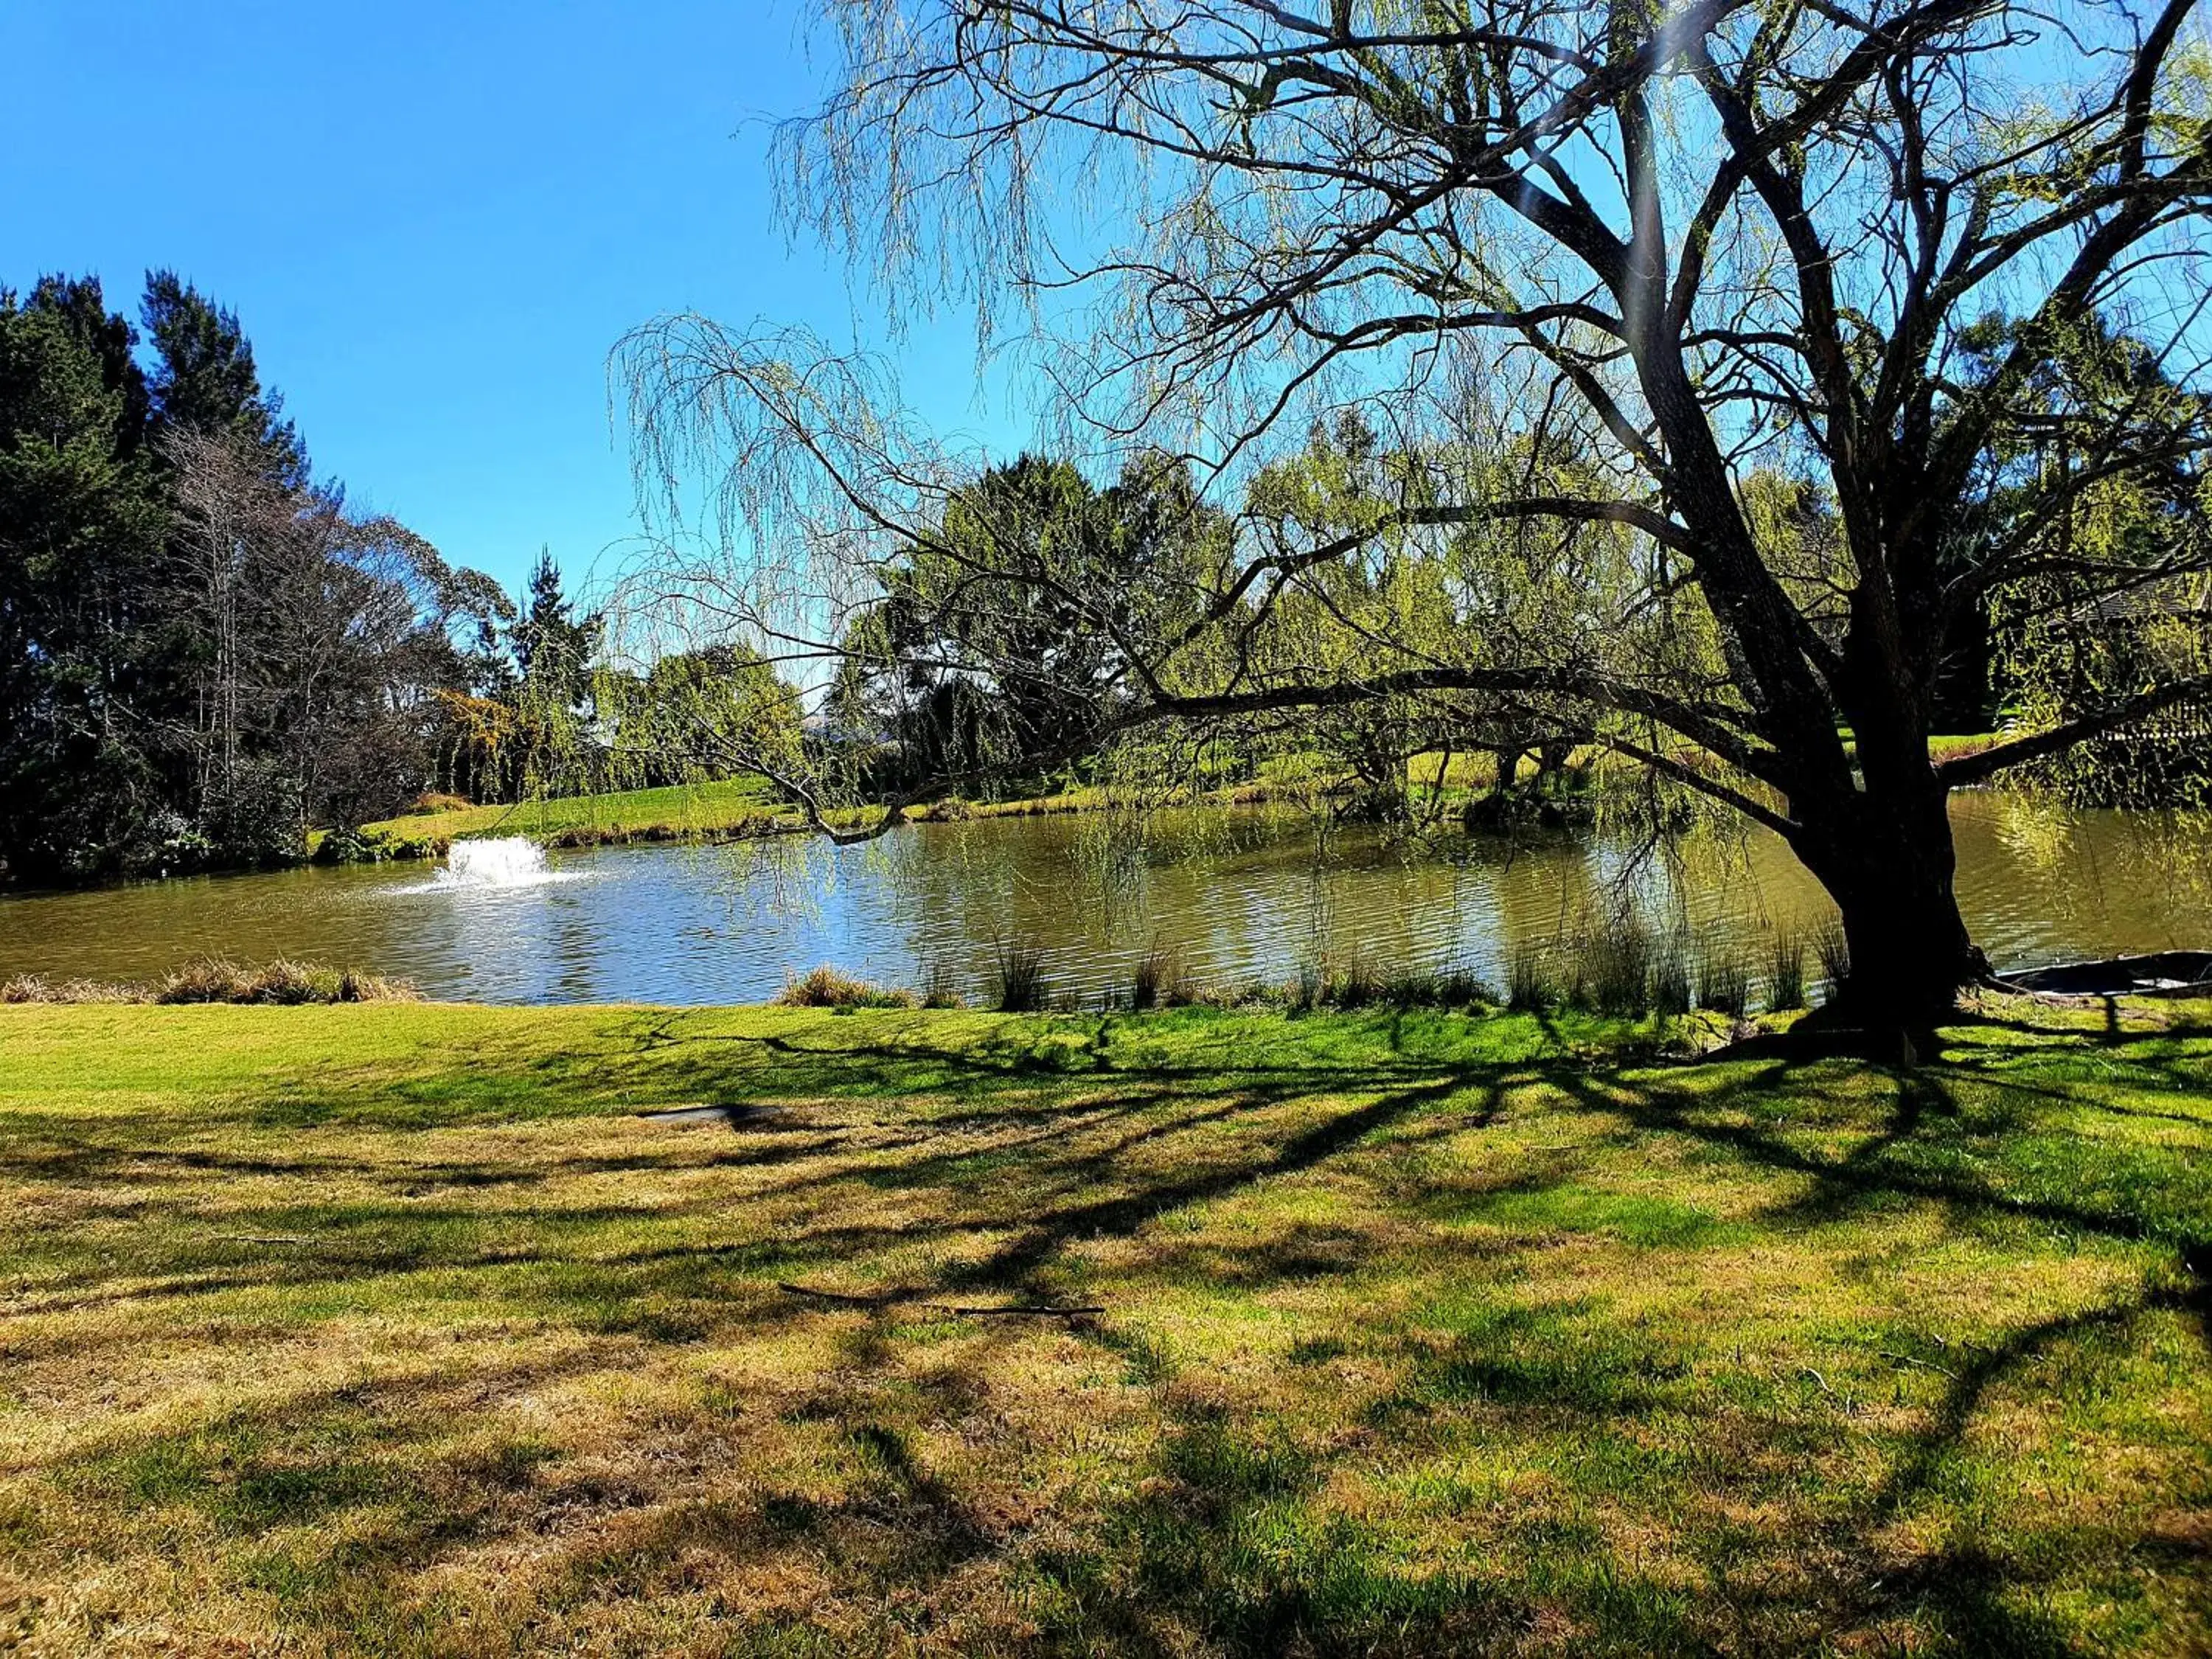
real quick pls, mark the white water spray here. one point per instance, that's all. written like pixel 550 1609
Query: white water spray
pixel 510 861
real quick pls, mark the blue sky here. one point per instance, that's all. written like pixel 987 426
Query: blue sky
pixel 435 219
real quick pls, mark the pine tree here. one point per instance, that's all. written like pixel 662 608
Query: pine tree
pixel 206 381
pixel 82 528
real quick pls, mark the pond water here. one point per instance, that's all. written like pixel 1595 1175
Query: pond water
pixel 1236 896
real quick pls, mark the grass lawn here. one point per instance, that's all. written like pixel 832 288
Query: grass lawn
pixel 694 809
pixel 383 1329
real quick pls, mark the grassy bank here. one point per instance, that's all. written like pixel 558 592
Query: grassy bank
pixel 737 811
pixel 746 808
pixel 393 1328
pixel 691 812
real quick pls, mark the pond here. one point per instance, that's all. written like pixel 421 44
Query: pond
pixel 1236 896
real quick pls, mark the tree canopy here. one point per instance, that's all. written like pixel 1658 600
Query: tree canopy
pixel 203 651
pixel 1856 331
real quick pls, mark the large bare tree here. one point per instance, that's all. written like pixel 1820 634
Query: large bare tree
pixel 1596 268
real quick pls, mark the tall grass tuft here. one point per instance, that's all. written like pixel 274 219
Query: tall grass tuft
pixel 1614 970
pixel 940 989
pixel 1670 988
pixel 1018 980
pixel 1833 948
pixel 825 988
pixel 1159 980
pixel 1785 973
pixel 1724 982
pixel 1528 986
pixel 1359 984
pixel 30 988
pixel 211 979
pixel 280 983
pixel 1443 987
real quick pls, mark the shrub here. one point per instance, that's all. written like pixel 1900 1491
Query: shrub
pixel 1785 973
pixel 1017 979
pixel 432 802
pixel 825 988
pixel 375 847
pixel 1724 982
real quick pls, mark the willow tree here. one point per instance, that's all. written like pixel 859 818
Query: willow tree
pixel 1654 252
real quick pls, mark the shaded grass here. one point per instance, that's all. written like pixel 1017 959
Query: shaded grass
pixel 391 1329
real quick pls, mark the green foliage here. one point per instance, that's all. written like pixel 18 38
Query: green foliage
pixel 2120 599
pixel 698 717
pixel 83 641
pixel 206 382
pixel 199 651
pixel 998 639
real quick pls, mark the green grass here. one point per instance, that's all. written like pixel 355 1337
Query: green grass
pixel 391 1330
pixel 711 809
pixel 693 809
pixel 745 806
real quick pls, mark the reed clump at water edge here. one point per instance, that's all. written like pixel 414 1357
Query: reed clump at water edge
pixel 826 988
pixel 1017 978
pixel 1785 973
pixel 1621 968
pixel 215 979
pixel 1159 980
pixel 1362 982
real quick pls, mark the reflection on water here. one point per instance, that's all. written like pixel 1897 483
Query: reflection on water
pixel 1236 896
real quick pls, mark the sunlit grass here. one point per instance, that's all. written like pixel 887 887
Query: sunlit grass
pixel 707 808
pixel 692 808
pixel 404 1328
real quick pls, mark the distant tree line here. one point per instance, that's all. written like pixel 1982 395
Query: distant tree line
pixel 204 651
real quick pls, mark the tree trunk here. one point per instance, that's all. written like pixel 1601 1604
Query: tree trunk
pixel 1508 769
pixel 1889 863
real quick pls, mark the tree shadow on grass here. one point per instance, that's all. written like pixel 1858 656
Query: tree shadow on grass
pixel 1225 1536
